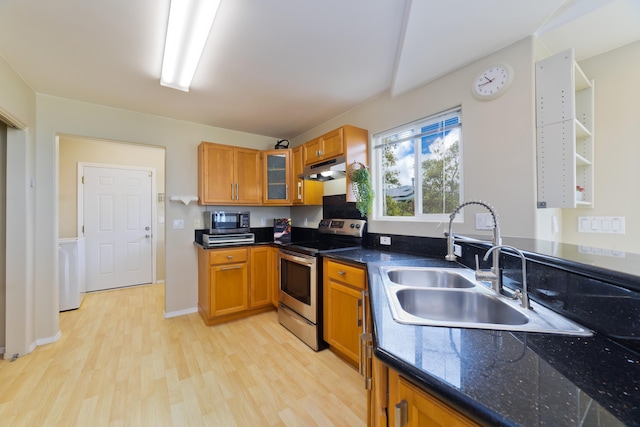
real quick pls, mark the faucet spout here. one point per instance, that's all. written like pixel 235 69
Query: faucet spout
pixel 524 295
pixel 496 281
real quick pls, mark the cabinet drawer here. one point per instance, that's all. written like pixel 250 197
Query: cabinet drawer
pixel 348 274
pixel 228 256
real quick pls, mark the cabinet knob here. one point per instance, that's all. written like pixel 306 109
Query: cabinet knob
pixel 229 256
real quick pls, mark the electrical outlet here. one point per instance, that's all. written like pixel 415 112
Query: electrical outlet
pixel 263 221
pixel 385 240
pixel 196 223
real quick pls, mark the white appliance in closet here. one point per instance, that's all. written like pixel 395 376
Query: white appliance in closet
pixel 72 272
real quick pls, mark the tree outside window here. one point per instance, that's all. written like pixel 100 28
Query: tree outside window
pixel 423 156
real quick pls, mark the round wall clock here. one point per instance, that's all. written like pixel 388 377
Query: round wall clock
pixel 492 82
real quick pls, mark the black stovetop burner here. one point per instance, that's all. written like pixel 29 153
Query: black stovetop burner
pixel 333 235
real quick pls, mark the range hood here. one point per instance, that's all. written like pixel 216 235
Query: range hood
pixel 325 171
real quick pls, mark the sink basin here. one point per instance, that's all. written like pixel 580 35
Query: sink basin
pixel 432 278
pixel 452 297
pixel 472 307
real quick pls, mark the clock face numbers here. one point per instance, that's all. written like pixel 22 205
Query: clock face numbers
pixel 491 82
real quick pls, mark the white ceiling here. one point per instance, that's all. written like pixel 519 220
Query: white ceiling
pixel 281 67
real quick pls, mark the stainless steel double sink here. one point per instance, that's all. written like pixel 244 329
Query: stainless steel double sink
pixel 452 297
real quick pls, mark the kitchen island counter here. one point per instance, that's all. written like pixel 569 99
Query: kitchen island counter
pixel 504 378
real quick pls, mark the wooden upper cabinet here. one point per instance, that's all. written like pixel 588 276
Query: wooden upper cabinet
pixel 326 147
pixel 277 177
pixel 304 192
pixel 215 173
pixel 229 175
pixel 348 141
pixel 248 175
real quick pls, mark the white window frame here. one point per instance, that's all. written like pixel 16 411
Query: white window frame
pixel 377 172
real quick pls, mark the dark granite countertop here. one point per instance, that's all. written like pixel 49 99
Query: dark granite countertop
pixel 505 378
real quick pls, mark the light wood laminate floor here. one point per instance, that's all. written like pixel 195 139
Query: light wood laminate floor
pixel 120 363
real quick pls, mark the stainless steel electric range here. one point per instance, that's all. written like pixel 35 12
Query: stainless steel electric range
pixel 300 295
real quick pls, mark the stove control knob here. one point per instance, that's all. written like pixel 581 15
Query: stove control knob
pixel 357 226
pixel 352 225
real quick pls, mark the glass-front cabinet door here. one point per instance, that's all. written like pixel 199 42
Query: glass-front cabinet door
pixel 277 170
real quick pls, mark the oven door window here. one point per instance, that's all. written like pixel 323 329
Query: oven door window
pixel 296 280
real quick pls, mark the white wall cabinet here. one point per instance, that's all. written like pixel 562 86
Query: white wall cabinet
pixel 564 140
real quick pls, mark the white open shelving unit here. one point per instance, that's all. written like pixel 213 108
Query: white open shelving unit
pixel 565 132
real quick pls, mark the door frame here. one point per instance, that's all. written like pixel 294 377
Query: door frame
pixel 154 201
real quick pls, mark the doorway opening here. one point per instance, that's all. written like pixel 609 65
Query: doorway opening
pixel 128 165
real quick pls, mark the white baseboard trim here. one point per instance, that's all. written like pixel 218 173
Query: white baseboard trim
pixel 48 340
pixel 170 314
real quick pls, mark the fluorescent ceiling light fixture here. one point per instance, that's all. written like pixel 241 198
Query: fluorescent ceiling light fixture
pixel 189 26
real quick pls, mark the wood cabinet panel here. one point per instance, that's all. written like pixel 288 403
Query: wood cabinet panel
pixel 248 173
pixel 304 192
pixel 275 275
pixel 215 173
pixel 229 175
pixel 416 407
pixel 353 276
pixel 262 268
pixel 228 289
pixel 227 256
pixel 343 308
pixel 344 324
pixel 332 144
pixel 234 282
pixel 326 147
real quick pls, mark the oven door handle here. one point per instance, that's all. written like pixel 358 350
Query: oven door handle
pixel 291 256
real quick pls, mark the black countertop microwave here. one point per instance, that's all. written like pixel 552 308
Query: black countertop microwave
pixel 226 222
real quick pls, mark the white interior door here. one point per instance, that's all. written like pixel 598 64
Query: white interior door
pixel 117 227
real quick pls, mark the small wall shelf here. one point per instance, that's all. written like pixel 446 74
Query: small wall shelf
pixel 184 199
pixel 564 134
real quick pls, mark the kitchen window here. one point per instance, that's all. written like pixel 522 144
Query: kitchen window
pixel 418 168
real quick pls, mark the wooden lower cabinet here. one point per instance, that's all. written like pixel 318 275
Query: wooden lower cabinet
pixel 275 275
pixel 408 405
pixel 262 267
pixel 343 308
pixel 232 283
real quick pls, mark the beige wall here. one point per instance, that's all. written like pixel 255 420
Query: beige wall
pixel 19 322
pixel 498 141
pixel 74 150
pixel 179 139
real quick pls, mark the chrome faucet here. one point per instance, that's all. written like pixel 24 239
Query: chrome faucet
pixel 523 295
pixel 493 276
